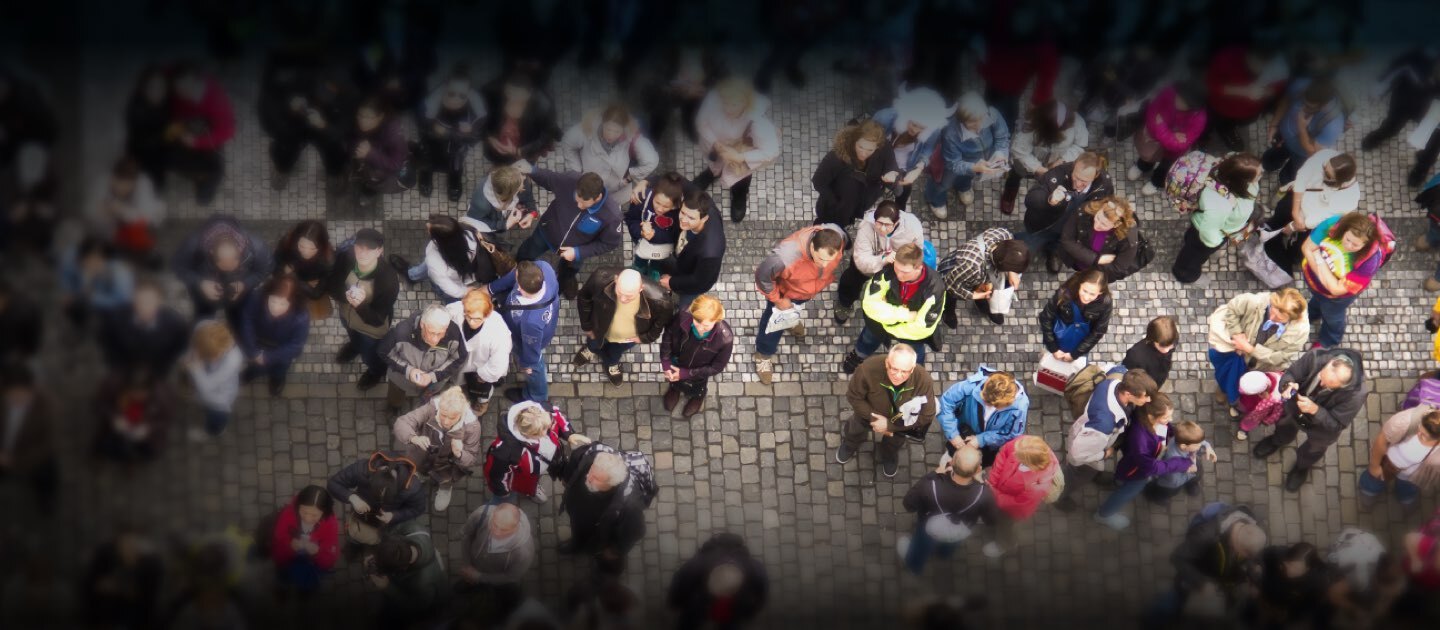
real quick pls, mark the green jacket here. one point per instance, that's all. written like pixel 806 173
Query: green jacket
pixel 914 319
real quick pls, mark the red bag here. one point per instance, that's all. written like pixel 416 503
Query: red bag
pixel 134 237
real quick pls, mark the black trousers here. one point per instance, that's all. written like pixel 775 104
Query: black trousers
pixel 851 283
pixel 285 152
pixel 1284 249
pixel 1190 260
pixel 739 193
pixel 205 168
pixel 1317 441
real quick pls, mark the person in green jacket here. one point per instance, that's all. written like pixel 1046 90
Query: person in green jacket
pixel 902 304
pixel 410 575
pixel 1225 206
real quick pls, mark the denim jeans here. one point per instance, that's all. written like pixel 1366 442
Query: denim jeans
pixel 922 546
pixel 869 342
pixel 609 351
pixel 1122 495
pixel 536 246
pixel 369 348
pixel 537 387
pixel 682 302
pixel 1229 367
pixel 1405 492
pixel 769 343
pixel 215 421
pixel 935 191
pixel 1331 313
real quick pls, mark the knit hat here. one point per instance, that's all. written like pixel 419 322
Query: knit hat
pixel 1254 383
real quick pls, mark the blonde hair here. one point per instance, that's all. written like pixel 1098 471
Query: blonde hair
pixel 532 421
pixel 1033 452
pixel 707 308
pixel 212 339
pixel 1289 301
pixel 848 136
pixel 999 390
pixel 451 401
pixel 506 182
pixel 478 298
pixel 1118 210
pixel 736 88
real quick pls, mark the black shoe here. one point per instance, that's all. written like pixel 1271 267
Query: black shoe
pixel 949 319
pixel 998 320
pixel 515 395
pixel 1371 142
pixel 452 191
pixel 402 267
pixel 277 386
pixel 844 454
pixel 796 76
pixel 842 314
pixel 738 214
pixel 1415 178
pixel 1265 448
pixel 570 287
pixel 1296 478
pixel 890 468
pixel 369 380
pixel 347 353
pixel 1066 504
pixel 427 186
pixel 851 362
pixel 568 548
pixel 1192 488
pixel 1052 262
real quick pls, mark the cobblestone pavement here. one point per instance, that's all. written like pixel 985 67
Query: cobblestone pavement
pixel 757 462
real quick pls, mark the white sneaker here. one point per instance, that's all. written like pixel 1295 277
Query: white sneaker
pixel 1148 189
pixel 992 550
pixel 967 197
pixel 1134 173
pixel 902 546
pixel 539 496
pixel 442 497
pixel 940 212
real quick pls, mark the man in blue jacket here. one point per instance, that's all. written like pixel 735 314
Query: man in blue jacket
pixel 532 311
pixel 985 411
pixel 582 222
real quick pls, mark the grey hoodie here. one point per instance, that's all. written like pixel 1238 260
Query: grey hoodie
pixel 505 566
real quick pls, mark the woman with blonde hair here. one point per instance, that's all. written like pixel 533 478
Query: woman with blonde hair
pixel 696 346
pixel 443 437
pixel 530 440
pixel 1103 236
pixel 853 175
pixel 1025 473
pixel 738 136
pixel 214 364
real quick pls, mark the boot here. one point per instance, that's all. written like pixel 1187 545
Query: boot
pixel 427 183
pixel 852 361
pixel 1007 197
pixel 693 406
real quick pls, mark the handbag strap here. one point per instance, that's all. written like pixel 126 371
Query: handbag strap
pixel 935 496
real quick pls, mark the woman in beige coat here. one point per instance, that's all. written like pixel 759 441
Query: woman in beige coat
pixel 1256 331
pixel 443 438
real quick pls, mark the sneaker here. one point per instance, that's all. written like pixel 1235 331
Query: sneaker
pixel 583 357
pixel 347 353
pixel 276 387
pixel 1432 285
pixel 1234 412
pixel 1296 478
pixel 539 496
pixel 1134 174
pixel 765 368
pixel 967 197
pixel 442 497
pixel 842 314
pixel 1148 189
pixel 672 398
pixel 1117 521
pixel 617 375
pixel 693 406
pixel 1421 244
pixel 992 550
pixel 369 380
pixel 1264 448
pixel 902 546
pixel 844 454
pixel 798 331
pixel 1241 436
pixel 940 212
pixel 1066 504
pixel 890 468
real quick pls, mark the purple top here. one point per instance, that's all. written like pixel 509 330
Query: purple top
pixel 1097 240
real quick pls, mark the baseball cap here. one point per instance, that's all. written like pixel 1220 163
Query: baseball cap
pixel 370 237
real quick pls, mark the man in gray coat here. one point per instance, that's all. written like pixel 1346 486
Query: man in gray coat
pixel 1324 390
pixel 425 354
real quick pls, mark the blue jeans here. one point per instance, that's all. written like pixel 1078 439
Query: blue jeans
pixel 869 342
pixel 1405 492
pixel 1331 313
pixel 536 246
pixel 369 348
pixel 1229 367
pixel 935 191
pixel 420 272
pixel 537 387
pixel 215 421
pixel 609 351
pixel 922 546
pixel 1122 495
pixel 768 344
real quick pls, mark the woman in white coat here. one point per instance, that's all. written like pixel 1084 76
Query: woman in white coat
pixel 738 137
pixel 608 143
pixel 488 341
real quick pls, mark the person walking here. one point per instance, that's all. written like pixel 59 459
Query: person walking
pixel 1225 207
pixel 950 502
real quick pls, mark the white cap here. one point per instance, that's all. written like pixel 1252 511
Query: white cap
pixel 1253 383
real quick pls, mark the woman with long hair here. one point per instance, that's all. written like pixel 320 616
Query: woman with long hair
pixel 853 175
pixel 306 253
pixel 1078 315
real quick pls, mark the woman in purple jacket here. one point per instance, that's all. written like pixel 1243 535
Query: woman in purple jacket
pixel 273 329
pixel 380 151
pixel 1140 460
pixel 696 346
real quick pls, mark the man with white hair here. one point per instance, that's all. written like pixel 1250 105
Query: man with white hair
pixel 425 354
pixel 606 505
pixel 618 309
pixel 1218 555
pixel 976 143
pixel 893 398
pixel 499 544
pixel 1323 390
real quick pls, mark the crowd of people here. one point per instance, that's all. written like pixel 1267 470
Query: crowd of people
pixel 504 267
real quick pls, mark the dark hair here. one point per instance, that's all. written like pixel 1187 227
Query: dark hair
pixel 1040 120
pixel 316 497
pixel 448 234
pixel 94 245
pixel 126 168
pixel 590 186
pixel 1344 167
pixel 392 555
pixel 827 239
pixel 1236 173
pixel 309 229
pixel 1071 289
pixel 1303 551
pixel 1431 423
pixel 1155 409
pixel 383 483
pixel 1162 331
pixel 529 276
pixel 1319 91
pixel 1011 255
pixel 699 201
pixel 671 185
pixel 1137 382
pixel 283 285
pixel 887 210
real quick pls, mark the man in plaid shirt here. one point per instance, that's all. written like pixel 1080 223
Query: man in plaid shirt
pixel 991 261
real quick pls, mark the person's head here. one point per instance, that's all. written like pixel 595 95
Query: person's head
pixel 1087 286
pixel 669 193
pixel 450 407
pixel 529 278
pixel 1112 214
pixel 705 312
pixel 153 86
pixel 308 239
pixel 886 217
pixel 1011 256
pixel 1049 122
pixel 607 472
pixel 1033 452
pixel 506 182
pixel 825 246
pixel 371 114
pixel 1316 95
pixel 212 340
pixel 519 88
pixel 93 253
pixel 533 422
pixel 1136 388
pixel 972 111
pixel 189 83
pixel 19 384
pixel 282 295
pixel 225 254
pixel 696 210
pixel 737 96
pixel 453 240
pixel 313 504
pixel 909 262
pixel 1339 171
pixel 920 112
pixel 724 581
pixel 589 191
pixel 368 248
pixel 147 300
pixel 856 143
pixel 1286 305
pixel 457 88
pixel 1247 539
pixel 999 390
pixel 900 363
pixel 123 177
pixel 504 521
pixel 1299 559
pixel 384 480
pixel 477 306
pixel 1355 231
pixel 614 122
pixel 1240 174
pixel 628 285
pixel 965 463
pixel 1088 168
pixel 1158 412
pixel 434 323
pixel 1337 373
pixel 394 554
pixel 1188 435
pixel 1162 333
pixel 1430 427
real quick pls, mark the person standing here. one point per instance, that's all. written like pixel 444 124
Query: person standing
pixel 1256 331
pixel 214 365
pixel 618 309
pixel 1023 475
pixel 383 490
pixel 1058 195
pixel 610 144
pixel 1174 121
pixel 1155 352
pixel 424 354
pixel 798 269
pixel 1224 209
pixel 305 541
pixel 651 221
pixel 1324 390
pixel 1104 235
pixel 220 264
pixel 520 119
pixel 913 125
pixel 583 221
pixel 1078 315
pixel 953 496
pixel 884 230
pixel 532 312
pixel 498 548
pixel 1053 134
pixel 985 270
pixel 985 411
pixel 1325 186
pixel 443 437
pixel 306 253
pixel 738 137
pixel 699 250
pixel 202 122
pixel 529 440
pixel 975 144
pixel 273 330
pixel 1404 452
pixel 27 441
pixel 147 336
pixel 302 103
pixel 502 201
pixel 365 292
pixel 723 585
pixel 380 153
pixel 1342 256
pixel 410 574
pixel 1091 438
pixel 696 346
pixel 606 502
pixel 449 123
pixel 902 304
pixel 852 176
pixel 487 344
pixel 1307 119
pixel 892 397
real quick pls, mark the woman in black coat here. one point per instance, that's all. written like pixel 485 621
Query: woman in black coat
pixel 853 175
pixel 306 253
pixel 1103 236
pixel 1086 294
pixel 147 114
pixel 519 122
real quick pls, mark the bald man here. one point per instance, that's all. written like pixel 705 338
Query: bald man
pixel 952 493
pixel 618 309
pixel 893 398
pixel 498 544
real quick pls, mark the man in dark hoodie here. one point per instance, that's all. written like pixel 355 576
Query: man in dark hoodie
pixel 722 584
pixel 1323 390
pixel 220 264
pixel 698 252
pixel 407 569
pixel 582 222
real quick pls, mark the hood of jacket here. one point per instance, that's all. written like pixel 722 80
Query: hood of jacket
pixel 514 413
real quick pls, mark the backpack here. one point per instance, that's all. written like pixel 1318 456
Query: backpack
pixel 1187 179
pixel 642 472
pixel 1385 241
pixel 1425 391
pixel 1081 386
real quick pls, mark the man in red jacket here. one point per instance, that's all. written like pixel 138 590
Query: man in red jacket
pixel 201 122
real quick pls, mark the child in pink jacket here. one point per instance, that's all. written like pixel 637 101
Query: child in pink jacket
pixel 1174 121
pixel 1260 400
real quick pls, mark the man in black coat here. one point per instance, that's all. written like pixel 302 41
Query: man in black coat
pixel 699 251
pixel 605 502
pixel 1056 196
pixel 1324 390
pixel 722 585
pixel 148 336
pixel 618 309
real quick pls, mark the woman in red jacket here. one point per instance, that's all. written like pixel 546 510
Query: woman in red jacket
pixel 306 541
pixel 1021 478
